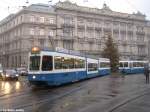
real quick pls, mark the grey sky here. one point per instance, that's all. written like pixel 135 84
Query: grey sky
pixel 127 6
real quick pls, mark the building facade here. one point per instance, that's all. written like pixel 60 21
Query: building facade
pixel 72 27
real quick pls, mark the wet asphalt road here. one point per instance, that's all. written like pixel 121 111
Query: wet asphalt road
pixel 101 94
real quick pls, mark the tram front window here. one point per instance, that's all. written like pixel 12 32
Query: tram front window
pixel 34 62
pixel 47 63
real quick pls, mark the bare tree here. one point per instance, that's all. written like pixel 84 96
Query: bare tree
pixel 111 52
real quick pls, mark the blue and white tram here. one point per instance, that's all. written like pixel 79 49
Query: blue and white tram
pixel 104 66
pixel 132 67
pixel 56 68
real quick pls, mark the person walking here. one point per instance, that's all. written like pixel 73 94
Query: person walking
pixel 146 73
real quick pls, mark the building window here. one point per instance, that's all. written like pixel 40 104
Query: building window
pixel 42 43
pixel 51 20
pixel 32 18
pixel 67 32
pixel 141 50
pixel 41 31
pixel 32 31
pixel 68 20
pixel 80 21
pixel 68 45
pixel 140 38
pixel 51 33
pixel 42 19
pixel 81 33
pixel 90 33
pixel 97 33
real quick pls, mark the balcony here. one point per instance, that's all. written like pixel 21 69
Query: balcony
pixel 125 53
pixel 90 26
pixel 140 32
pixel 71 25
pixel 41 23
pixel 91 40
pixel 68 38
pixel 98 26
pixel 138 42
pixel 142 54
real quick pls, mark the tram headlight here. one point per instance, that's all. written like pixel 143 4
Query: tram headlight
pixel 17 75
pixel 34 77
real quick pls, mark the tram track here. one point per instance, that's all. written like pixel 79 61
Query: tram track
pixel 144 93
pixel 38 95
pixel 50 99
pixel 39 90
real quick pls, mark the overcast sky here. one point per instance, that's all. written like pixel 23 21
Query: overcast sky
pixel 127 6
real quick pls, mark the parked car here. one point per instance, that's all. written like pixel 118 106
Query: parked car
pixel 10 74
pixel 22 71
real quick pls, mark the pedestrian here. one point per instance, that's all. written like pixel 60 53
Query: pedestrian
pixel 146 73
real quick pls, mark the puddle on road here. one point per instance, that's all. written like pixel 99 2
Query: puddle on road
pixel 9 86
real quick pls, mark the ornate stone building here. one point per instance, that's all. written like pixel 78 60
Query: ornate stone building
pixel 74 27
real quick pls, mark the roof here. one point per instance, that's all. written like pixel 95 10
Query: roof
pixel 45 8
pixel 104 11
pixel 42 8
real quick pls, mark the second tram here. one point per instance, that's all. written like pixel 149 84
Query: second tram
pixel 132 67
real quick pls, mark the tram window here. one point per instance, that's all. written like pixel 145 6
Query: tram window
pixel 121 64
pixel 141 64
pixel 79 63
pixel 125 64
pixel 134 64
pixel 71 63
pixel 82 63
pixel 65 63
pixel 92 66
pixel 68 63
pixel 130 65
pixel 104 64
pixel 34 63
pixel 138 64
pixel 58 62
pixel 47 63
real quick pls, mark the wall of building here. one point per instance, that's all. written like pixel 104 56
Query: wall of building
pixel 78 28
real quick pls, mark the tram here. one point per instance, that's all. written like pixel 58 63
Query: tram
pixel 132 66
pixel 55 68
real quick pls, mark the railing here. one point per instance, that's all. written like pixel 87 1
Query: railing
pixel 68 25
pixel 140 42
pixel 140 32
pixel 67 38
